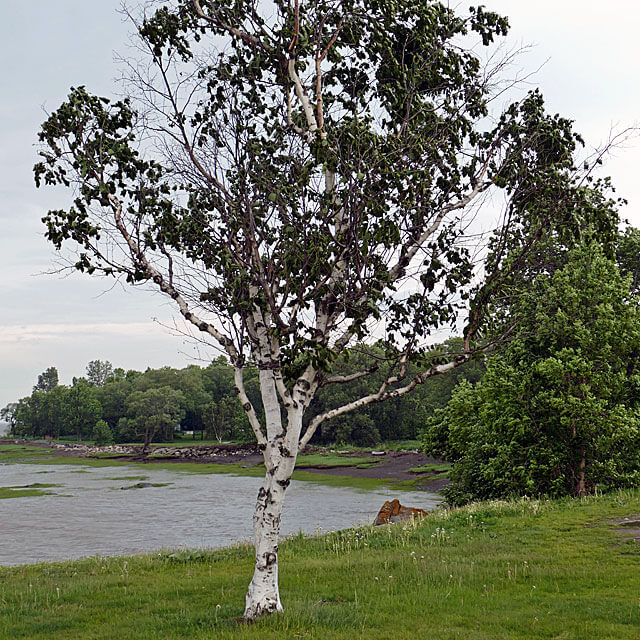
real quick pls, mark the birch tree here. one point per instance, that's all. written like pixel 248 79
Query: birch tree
pixel 298 175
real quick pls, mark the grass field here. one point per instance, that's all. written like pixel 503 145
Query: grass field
pixel 328 460
pixel 499 570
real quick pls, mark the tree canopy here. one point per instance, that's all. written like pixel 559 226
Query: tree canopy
pixel 299 176
pixel 557 411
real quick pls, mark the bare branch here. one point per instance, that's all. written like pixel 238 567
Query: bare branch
pixel 348 378
pixel 234 31
pixel 247 406
pixel 381 395
pixel 140 259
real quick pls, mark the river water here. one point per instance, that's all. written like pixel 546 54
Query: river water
pixel 89 513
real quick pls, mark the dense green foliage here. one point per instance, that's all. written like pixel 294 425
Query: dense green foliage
pixel 402 417
pixel 525 570
pixel 557 412
pixel 310 174
pixel 136 406
pixel 102 434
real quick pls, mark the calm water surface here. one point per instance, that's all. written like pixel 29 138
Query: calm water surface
pixel 90 513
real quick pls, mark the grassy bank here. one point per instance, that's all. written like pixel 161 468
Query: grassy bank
pixel 525 569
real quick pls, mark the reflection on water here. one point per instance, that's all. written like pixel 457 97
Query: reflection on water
pixel 91 514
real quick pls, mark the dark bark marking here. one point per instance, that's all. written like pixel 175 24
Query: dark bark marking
pixel 285 452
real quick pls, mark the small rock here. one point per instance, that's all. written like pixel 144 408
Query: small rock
pixel 139 485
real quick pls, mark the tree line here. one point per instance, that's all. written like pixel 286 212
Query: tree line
pixel 110 404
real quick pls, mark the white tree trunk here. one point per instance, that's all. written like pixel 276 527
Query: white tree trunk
pixel 263 595
pixel 280 454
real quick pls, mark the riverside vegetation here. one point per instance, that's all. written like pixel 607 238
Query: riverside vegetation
pixel 110 404
pixel 501 569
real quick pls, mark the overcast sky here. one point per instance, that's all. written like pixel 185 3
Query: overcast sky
pixel 591 74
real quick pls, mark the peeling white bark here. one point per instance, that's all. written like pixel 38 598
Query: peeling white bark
pixel 263 595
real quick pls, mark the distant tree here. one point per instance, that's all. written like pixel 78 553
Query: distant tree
pixel 40 414
pixel 47 380
pixel 82 408
pixel 52 407
pixel 8 414
pixel 113 400
pixel 191 385
pixel 98 372
pixel 188 381
pixel 155 411
pixel 118 373
pixel 23 418
pixel 125 431
pixel 558 411
pixel 102 434
pixel 225 420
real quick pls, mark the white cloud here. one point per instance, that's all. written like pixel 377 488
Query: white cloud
pixel 38 332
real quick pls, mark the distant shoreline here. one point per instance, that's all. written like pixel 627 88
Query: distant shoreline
pixel 393 466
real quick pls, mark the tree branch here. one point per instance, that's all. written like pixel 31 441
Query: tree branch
pixel 234 31
pixel 381 395
pixel 348 378
pixel 247 406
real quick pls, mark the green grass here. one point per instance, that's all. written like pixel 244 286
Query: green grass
pixel 28 491
pixel 435 471
pixel 501 570
pixel 400 445
pixel 432 467
pixel 329 460
pixel 13 452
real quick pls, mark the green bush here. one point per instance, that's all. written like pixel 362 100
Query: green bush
pixel 557 412
pixel 102 434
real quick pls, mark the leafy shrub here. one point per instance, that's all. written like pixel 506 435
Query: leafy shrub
pixel 557 412
pixel 102 434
